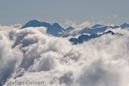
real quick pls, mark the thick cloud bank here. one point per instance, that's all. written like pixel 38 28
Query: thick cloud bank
pixel 32 55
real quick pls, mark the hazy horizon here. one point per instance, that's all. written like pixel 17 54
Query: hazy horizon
pixel 104 12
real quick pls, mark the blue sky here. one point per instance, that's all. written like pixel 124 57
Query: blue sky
pixel 79 11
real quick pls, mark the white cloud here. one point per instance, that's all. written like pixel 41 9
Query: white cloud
pixel 29 54
pixel 82 25
pixel 69 22
pixel 92 17
pixel 107 17
pixel 78 27
pixel 115 16
pixel 17 26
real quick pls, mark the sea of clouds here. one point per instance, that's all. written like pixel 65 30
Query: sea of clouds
pixel 32 55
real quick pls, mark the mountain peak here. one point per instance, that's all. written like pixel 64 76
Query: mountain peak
pixel 124 25
pixel 97 25
pixel 34 20
pixel 32 23
pixel 109 31
pixel 69 28
pixel 56 24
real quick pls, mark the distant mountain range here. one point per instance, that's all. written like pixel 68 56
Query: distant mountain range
pixel 56 30
pixel 83 38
